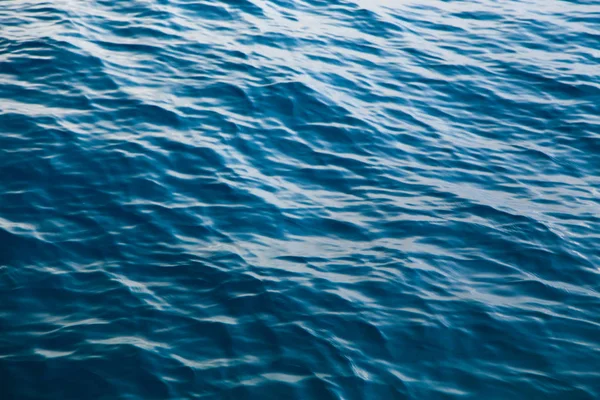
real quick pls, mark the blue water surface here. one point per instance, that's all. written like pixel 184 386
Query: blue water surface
pixel 299 199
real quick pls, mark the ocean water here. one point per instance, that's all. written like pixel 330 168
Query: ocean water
pixel 299 199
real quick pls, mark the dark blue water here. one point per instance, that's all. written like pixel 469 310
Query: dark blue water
pixel 285 199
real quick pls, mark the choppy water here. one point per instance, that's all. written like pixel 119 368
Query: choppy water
pixel 348 199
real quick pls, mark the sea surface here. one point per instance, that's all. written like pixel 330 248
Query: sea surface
pixel 300 199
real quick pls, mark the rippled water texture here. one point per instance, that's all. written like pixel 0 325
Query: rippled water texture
pixel 299 199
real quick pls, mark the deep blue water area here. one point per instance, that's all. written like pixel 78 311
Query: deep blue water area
pixel 300 199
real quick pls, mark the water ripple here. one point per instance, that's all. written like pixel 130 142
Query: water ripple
pixel 313 199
